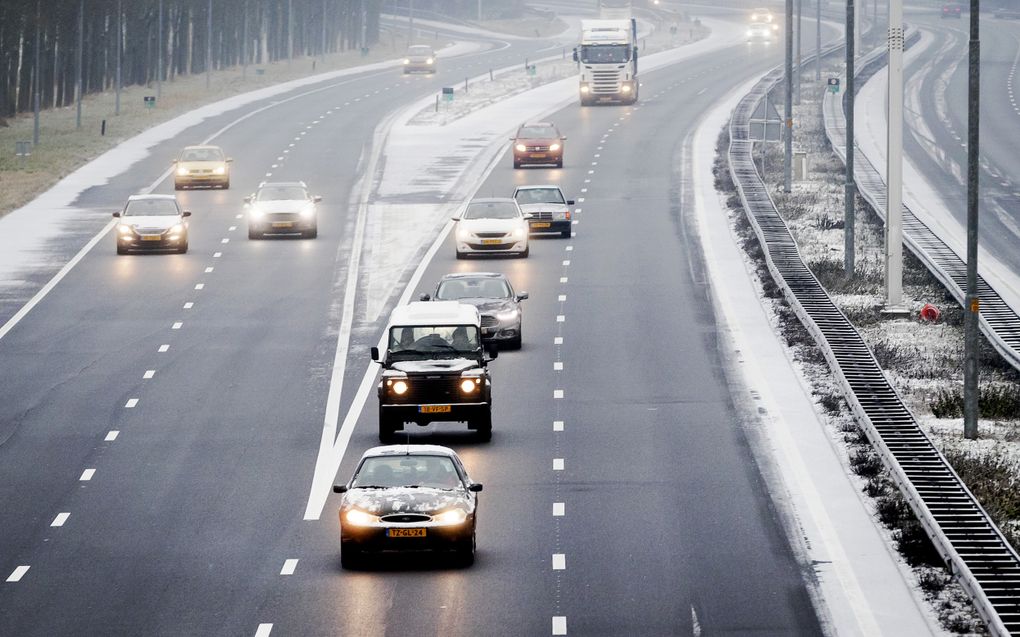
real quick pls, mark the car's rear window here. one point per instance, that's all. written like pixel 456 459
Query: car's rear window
pixel 151 208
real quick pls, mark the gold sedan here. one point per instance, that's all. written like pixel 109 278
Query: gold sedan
pixel 202 166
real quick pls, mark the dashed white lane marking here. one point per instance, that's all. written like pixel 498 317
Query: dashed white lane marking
pixel 557 464
pixel 209 270
pixel 288 567
pixel 189 305
pixel 695 624
pixel 559 625
pixel 239 216
pixel 559 561
pixel 560 318
pixel 559 508
pixel 591 172
pixel 217 255
pixel 224 240
pixel 584 190
pixel 558 340
pixel 558 366
pixel 18 573
pixel 566 262
pixel 149 373
pixel 580 200
pixel 275 166
pixel 561 298
pixel 594 163
pixel 60 519
pixel 269 174
pixel 597 155
pixel 557 425
pixel 86 475
pixel 110 437
pixel 177 325
pixel 563 279
pixel 702 91
pixel 231 228
pixel 280 158
pixel 165 347
pixel 131 403
pixel 264 630
pixel 569 248
pixel 557 393
pixel 199 286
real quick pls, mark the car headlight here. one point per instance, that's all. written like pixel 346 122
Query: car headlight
pixel 407 61
pixel 177 229
pixel 554 147
pixel 220 170
pixel 399 387
pixel 124 229
pixel 182 171
pixel 429 61
pixel 750 33
pixel 360 518
pixel 775 27
pixel 468 385
pixel 453 516
pixel 255 212
pixel 308 211
pixel 520 148
pixel 507 315
pixel 519 233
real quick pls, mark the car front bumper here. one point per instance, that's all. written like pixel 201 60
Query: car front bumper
pixel 470 247
pixel 536 226
pixel 164 242
pixel 374 539
pixel 536 157
pixel 458 412
pixel 289 225
pixel 419 67
pixel 202 180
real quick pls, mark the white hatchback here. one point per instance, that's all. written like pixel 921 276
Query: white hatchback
pixel 492 226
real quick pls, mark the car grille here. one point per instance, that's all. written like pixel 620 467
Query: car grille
pixel 481 247
pixel 283 216
pixel 425 390
pixel 605 82
pixel 490 235
pixel 542 216
pixel 406 518
pixel 158 231
pixel 489 321
pixel 200 171
pixel 537 149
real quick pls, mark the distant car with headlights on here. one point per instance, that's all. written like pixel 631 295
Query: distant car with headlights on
pixel 492 226
pixel 283 207
pixel 762 32
pixel 408 498
pixel 762 14
pixel 420 58
pixel 434 369
pixel 202 166
pixel 545 208
pixel 152 222
pixel 497 302
pixel 952 10
pixel 538 143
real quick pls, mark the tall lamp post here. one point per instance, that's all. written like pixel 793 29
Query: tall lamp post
pixel 973 305
pixel 788 139
pixel 894 168
pixel 850 189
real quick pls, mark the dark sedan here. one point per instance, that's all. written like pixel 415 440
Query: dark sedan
pixel 408 498
pixel 497 303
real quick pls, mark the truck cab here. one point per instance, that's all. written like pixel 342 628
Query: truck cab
pixel 607 59
pixel 434 368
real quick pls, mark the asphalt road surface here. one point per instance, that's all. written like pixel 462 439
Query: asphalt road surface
pixel 172 405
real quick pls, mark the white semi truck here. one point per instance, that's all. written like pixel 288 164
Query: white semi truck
pixel 607 58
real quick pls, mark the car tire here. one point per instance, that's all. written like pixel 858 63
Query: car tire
pixel 178 186
pixel 311 234
pixel 466 552
pixel 483 427
pixel 565 234
pixel 121 250
pixel 559 164
pixel 387 429
pixel 515 343
pixel 225 185
pixel 527 251
pixel 460 255
pixel 254 234
pixel 350 558
pixel 183 249
pixel 517 163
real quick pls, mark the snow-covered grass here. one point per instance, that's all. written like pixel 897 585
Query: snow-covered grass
pixel 922 360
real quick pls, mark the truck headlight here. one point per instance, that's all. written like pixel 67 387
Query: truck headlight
pixel 360 518
pixel 451 517
pixel 429 61
pixel 584 88
pixel 468 385
pixel 625 88
pixel 406 61
pixel 399 387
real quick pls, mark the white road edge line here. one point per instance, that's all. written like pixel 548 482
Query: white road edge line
pixel 263 630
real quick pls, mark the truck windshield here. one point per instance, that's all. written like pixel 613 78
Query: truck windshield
pixel 605 53
pixel 426 342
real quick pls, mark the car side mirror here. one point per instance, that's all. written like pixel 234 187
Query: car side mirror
pixel 339 488
pixel 317 198
pixel 230 159
pixel 521 296
pixel 529 215
pixel 563 138
pixel 455 218
pixel 570 202
pixel 425 297
pixel 475 487
pixel 186 213
pixel 174 161
pixel 575 55
pixel 116 214
pixel 375 353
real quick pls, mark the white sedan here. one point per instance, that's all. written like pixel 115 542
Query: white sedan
pixel 492 226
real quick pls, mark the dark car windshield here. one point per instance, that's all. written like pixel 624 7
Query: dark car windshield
pixel 151 208
pixel 202 154
pixel 415 471
pixel 427 342
pixel 605 53
pixel 420 50
pixel 281 193
pixel 537 132
pixel 480 288
pixel 491 210
pixel 539 195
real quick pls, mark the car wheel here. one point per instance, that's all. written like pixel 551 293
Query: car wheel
pixel 483 426
pixel 527 251
pixel 121 250
pixel 515 343
pixel 225 185
pixel 387 429
pixel 254 234
pixel 466 552
pixel 178 186
pixel 350 558
pixel 565 234
pixel 311 234
pixel 559 164
pixel 183 249
pixel 517 163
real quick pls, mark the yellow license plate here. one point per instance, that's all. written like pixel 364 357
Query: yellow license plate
pixel 405 532
pixel 541 224
pixel 434 409
pixel 491 242
pixel 538 155
pixel 151 237
pixel 283 224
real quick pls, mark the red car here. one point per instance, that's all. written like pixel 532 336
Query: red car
pixel 951 11
pixel 538 143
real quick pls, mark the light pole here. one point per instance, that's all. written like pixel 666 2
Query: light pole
pixel 850 188
pixel 290 31
pixel 800 32
pixel 38 78
pixel 818 40
pixel 159 55
pixel 410 22
pixel 79 62
pixel 479 10
pixel 244 43
pixel 120 54
pixel 973 303
pixel 208 45
pixel 894 167
pixel 788 140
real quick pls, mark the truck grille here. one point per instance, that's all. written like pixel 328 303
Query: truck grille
pixel 605 82
pixel 423 390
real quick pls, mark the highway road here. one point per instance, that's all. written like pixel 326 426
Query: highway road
pixel 172 406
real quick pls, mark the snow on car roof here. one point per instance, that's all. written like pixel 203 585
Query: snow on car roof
pixel 413 450
pixel 435 313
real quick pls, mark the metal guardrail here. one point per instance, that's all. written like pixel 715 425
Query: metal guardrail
pixel 999 322
pixel 975 551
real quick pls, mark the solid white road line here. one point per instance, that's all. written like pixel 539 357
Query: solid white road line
pixel 559 561
pixel 557 425
pixel 131 403
pixel 112 435
pixel 164 348
pixel 86 475
pixel 60 519
pixel 18 573
pixel 264 630
pixel 559 509
pixel 559 625
pixel 288 567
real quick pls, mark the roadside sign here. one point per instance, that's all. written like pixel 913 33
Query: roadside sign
pixel 150 101
pixel 765 124
pixel 834 85
pixel 448 93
